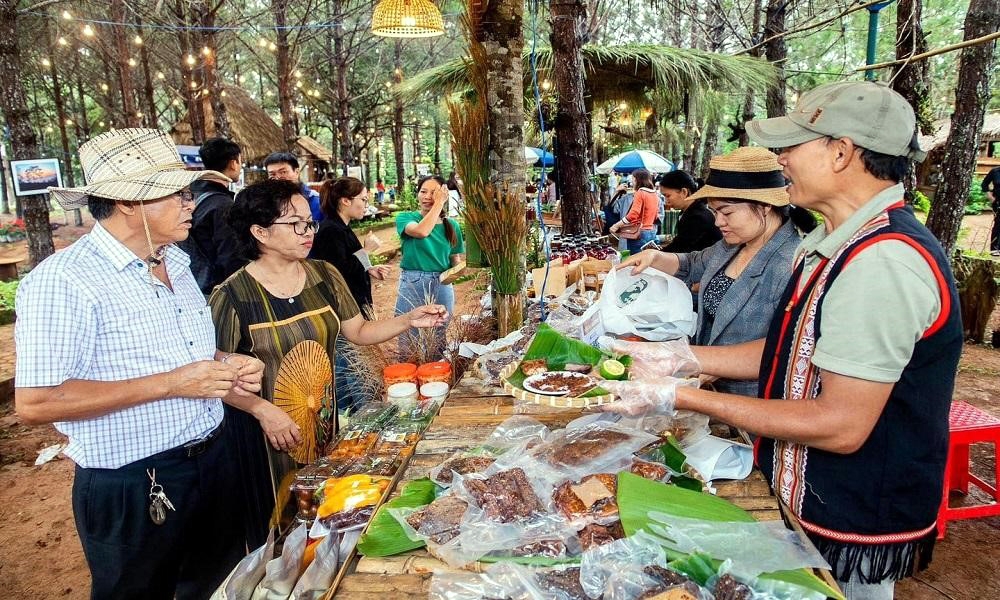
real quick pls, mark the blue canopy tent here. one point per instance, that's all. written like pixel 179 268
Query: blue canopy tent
pixel 190 157
pixel 626 162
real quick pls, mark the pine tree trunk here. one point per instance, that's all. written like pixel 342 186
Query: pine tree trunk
pixel 220 118
pixel 501 35
pixel 192 97
pixel 152 118
pixel 776 52
pixel 81 103
pixel 120 42
pixel 437 145
pixel 397 120
pixel 341 61
pixel 284 65
pixel 61 115
pixel 912 80
pixel 23 142
pixel 971 97
pixel 748 111
pixel 567 39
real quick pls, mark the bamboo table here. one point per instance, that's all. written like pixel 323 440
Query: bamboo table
pixel 470 414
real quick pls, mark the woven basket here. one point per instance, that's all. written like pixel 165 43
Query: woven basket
pixel 553 401
pixel 407 19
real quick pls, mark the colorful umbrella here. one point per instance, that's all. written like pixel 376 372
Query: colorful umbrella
pixel 537 157
pixel 626 162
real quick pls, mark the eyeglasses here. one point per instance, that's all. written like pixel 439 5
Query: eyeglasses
pixel 300 227
pixel 362 197
pixel 186 196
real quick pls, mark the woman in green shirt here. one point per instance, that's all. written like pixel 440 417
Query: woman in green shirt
pixel 431 244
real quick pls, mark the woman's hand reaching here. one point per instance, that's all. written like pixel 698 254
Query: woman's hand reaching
pixel 428 315
pixel 639 262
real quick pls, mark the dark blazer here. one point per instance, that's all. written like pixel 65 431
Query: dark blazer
pixel 696 229
pixel 746 310
pixel 336 243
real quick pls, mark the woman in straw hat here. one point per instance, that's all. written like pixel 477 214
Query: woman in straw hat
pixel 288 312
pixel 743 275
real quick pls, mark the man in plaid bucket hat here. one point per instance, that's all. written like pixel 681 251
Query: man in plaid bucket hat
pixel 116 348
pixel 857 371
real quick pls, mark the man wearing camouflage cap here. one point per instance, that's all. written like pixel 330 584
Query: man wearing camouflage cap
pixel 857 371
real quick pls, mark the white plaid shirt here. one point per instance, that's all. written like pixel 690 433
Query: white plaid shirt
pixel 94 312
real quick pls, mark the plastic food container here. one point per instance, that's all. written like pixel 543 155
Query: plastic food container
pixel 434 392
pixel 403 395
pixel 399 373
pixel 435 371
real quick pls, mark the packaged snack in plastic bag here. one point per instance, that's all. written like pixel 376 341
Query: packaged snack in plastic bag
pixel 281 573
pixel 592 499
pixel 687 427
pixel 318 576
pixel 350 500
pixel 248 572
pixel 602 446
pixel 516 432
pixel 462 585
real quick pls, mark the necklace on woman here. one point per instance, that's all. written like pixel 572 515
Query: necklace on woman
pixel 282 290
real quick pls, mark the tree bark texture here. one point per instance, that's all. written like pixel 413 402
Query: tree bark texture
pixel 437 146
pixel 125 86
pixel 61 115
pixel 912 80
pixel 748 100
pixel 567 40
pixel 776 52
pixel 342 60
pixel 151 114
pixel 192 97
pixel 500 33
pixel 971 97
pixel 284 65
pixel 23 142
pixel 220 118
pixel 397 119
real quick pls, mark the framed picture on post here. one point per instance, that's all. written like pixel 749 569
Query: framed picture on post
pixel 34 176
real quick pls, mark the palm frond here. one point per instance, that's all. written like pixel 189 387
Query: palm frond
pixel 624 73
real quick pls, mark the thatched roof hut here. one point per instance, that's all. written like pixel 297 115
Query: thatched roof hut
pixel 314 158
pixel 250 126
pixel 934 145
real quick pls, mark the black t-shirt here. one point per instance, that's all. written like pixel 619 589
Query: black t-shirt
pixel 336 243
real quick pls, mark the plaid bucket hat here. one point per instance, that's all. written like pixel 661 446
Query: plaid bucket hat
pixel 130 165
pixel 747 173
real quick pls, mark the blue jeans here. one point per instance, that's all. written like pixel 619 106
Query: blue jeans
pixel 417 288
pixel 634 246
pixel 349 392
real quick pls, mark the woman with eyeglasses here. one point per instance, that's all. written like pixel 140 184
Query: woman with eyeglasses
pixel 344 200
pixel 287 311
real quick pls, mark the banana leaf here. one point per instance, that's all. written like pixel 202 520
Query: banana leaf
pixel 558 351
pixel 637 497
pixel 385 537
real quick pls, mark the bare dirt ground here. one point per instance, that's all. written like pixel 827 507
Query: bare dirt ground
pixel 40 555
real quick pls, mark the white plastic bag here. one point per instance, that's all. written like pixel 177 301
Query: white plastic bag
pixel 244 578
pixel 318 576
pixel 281 573
pixel 652 305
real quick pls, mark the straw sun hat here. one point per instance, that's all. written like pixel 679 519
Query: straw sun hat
pixel 130 165
pixel 748 173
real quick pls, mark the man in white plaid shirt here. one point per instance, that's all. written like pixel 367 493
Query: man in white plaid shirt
pixel 115 345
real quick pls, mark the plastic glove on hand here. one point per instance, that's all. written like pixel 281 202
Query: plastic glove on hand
pixel 652 360
pixel 640 397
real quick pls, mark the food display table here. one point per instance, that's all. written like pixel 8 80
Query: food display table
pixel 470 414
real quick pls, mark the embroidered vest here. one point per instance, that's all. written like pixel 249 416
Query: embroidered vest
pixel 871 513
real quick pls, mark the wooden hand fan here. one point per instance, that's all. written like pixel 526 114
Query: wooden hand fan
pixel 302 389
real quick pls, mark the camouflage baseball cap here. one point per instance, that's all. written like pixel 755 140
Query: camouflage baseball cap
pixel 871 113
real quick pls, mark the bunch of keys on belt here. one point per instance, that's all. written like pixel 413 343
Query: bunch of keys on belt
pixel 158 501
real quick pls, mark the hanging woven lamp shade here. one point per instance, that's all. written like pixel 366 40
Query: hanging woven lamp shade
pixel 407 19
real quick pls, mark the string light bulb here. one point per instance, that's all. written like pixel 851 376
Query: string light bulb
pixel 297 73
pixel 138 40
pixel 69 121
pixel 223 93
pixel 176 102
pixel 48 129
pixel 206 51
pixel 101 124
pixel 262 42
pixel 131 62
pixel 62 41
pixel 88 31
pixel 194 85
pixel 104 87
pixel 190 60
pixel 160 75
pixel 46 62
pixel 546 85
pixel 67 15
pixel 271 46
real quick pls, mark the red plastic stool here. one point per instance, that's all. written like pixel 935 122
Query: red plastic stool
pixel 967 425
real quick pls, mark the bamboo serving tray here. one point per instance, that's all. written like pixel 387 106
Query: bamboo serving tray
pixel 552 401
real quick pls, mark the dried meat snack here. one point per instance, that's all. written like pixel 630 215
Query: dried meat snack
pixel 594 535
pixel 534 366
pixel 649 470
pixel 667 579
pixel 506 496
pixel 728 588
pixel 592 496
pixel 462 465
pixel 439 521
pixel 566 581
pixel 546 548
pixel 580 447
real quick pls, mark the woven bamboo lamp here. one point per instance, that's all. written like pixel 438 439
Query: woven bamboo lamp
pixel 407 19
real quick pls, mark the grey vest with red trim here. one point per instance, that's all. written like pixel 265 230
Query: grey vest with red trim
pixel 871 513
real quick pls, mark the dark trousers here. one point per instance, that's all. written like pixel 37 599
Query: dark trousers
pixel 995 234
pixel 189 555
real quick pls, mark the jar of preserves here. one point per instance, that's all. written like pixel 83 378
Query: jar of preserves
pixel 399 373
pixel 434 371
pixel 403 395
